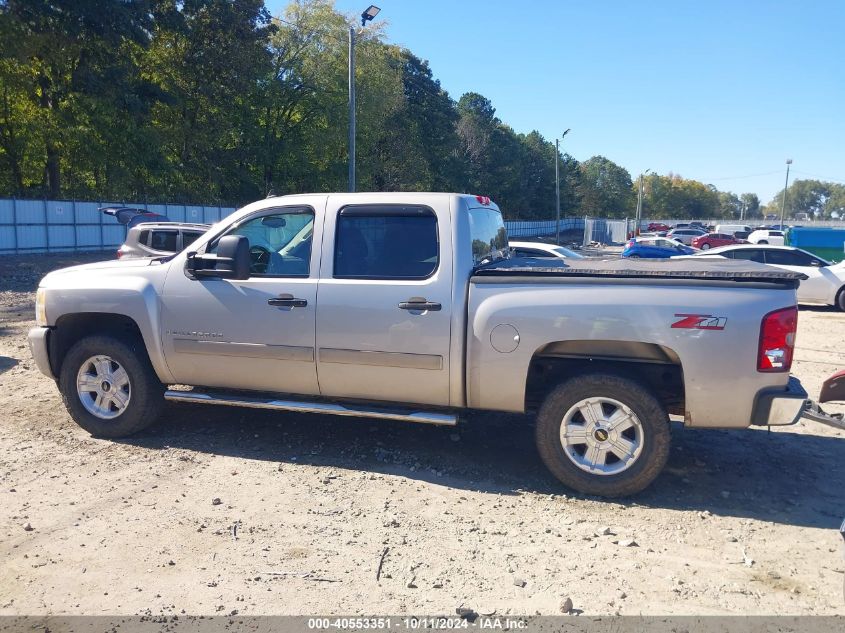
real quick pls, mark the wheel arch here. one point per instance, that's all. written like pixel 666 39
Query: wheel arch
pixel 73 327
pixel 656 366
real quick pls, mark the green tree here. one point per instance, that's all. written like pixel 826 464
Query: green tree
pixel 66 68
pixel 606 189
pixel 752 205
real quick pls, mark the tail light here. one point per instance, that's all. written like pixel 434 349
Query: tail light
pixel 777 340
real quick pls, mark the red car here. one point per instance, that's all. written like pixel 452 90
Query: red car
pixel 656 227
pixel 712 240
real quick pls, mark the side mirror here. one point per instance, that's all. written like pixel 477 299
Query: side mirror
pixel 232 260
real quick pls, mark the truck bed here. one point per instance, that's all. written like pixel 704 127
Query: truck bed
pixel 689 269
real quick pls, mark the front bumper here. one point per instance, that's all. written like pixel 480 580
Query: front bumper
pixel 779 406
pixel 39 349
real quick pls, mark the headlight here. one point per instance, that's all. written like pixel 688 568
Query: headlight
pixel 41 307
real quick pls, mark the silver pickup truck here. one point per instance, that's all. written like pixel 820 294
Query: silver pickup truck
pixel 407 306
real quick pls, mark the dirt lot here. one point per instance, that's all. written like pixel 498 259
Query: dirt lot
pixel 741 522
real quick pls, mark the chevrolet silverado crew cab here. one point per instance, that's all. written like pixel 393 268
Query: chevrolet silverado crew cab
pixel 408 306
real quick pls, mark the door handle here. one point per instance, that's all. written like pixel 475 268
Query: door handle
pixel 421 304
pixel 287 301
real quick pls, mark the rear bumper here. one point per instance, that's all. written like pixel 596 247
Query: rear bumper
pixel 779 406
pixel 38 347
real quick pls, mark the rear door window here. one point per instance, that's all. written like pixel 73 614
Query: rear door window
pixel 386 242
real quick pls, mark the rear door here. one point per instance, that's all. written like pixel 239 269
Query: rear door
pixel 384 305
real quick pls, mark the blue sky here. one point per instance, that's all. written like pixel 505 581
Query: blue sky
pixel 722 92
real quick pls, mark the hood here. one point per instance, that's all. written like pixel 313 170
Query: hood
pixel 108 267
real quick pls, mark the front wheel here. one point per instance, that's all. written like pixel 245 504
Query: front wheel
pixel 604 435
pixel 109 386
pixel 840 299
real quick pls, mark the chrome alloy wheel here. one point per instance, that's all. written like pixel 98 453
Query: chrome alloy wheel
pixel 601 436
pixel 102 385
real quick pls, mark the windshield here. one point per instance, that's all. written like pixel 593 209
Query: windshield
pixel 488 234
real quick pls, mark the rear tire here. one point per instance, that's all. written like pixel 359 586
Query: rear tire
pixel 625 433
pixel 763 241
pixel 705 246
pixel 109 386
pixel 840 299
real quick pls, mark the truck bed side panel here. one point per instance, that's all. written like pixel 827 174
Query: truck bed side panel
pixel 718 365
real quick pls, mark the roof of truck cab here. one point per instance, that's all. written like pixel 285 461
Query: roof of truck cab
pixel 475 199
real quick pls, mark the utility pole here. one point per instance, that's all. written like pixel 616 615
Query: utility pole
pixel 557 186
pixel 352 108
pixel 785 187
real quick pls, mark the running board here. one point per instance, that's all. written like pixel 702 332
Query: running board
pixel 423 417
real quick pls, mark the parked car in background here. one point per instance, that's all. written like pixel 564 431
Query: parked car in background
pixel 733 229
pixel 542 250
pixel 714 240
pixel 655 247
pixel 658 227
pixel 685 236
pixel 825 283
pixel 766 236
pixel 159 239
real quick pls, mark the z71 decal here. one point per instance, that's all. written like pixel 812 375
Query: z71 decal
pixel 700 322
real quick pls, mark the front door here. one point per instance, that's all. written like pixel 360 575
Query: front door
pixel 257 333
pixel 385 303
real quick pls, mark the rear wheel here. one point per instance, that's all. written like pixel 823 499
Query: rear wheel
pixel 109 386
pixel 763 241
pixel 705 246
pixel 840 299
pixel 604 435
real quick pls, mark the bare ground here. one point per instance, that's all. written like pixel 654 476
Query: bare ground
pixel 740 522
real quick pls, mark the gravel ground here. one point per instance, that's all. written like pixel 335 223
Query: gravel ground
pixel 311 508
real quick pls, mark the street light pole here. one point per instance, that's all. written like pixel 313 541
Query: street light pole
pixel 367 16
pixel 640 204
pixel 352 108
pixel 785 187
pixel 557 186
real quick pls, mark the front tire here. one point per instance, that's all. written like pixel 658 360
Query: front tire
pixel 604 435
pixel 109 386
pixel 840 299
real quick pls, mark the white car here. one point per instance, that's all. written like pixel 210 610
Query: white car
pixel 542 250
pixel 686 235
pixel 825 284
pixel 765 236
